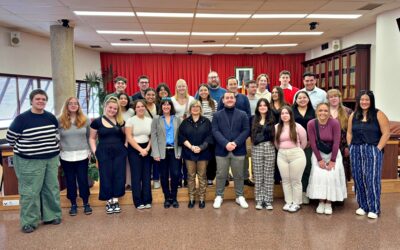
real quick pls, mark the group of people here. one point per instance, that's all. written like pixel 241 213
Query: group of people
pixel 307 134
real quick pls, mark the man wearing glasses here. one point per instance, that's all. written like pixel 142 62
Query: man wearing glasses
pixel 143 82
pixel 216 91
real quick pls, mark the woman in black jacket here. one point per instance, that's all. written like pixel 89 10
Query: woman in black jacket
pixel 195 136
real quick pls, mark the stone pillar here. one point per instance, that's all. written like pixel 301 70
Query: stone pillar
pixel 387 66
pixel 62 64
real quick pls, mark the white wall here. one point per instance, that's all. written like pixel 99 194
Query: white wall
pixel 33 56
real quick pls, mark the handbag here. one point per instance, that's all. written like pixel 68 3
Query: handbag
pixel 321 145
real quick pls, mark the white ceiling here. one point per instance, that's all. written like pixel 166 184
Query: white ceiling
pixel 36 16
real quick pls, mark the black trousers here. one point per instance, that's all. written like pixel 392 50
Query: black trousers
pixel 76 171
pixel 169 168
pixel 140 176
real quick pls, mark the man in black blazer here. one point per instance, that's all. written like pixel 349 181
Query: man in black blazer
pixel 230 128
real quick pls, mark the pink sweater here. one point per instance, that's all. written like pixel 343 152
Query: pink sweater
pixel 286 143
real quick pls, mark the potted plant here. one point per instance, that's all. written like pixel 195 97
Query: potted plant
pixel 93 171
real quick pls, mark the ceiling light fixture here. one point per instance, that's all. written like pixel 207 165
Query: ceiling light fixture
pixel 215 15
pixel 279 15
pixel 243 45
pixel 167 33
pixel 335 16
pixel 205 45
pixel 257 33
pixel 120 32
pixel 213 33
pixel 279 45
pixel 163 14
pixel 103 13
pixel 306 33
pixel 131 44
pixel 168 45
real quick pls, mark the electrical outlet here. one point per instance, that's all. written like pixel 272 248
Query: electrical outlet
pixel 8 203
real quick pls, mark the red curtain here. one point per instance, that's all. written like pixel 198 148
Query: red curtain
pixel 195 68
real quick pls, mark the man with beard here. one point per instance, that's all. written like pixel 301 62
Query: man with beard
pixel 216 91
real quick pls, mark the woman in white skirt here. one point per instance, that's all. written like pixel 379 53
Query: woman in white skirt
pixel 327 179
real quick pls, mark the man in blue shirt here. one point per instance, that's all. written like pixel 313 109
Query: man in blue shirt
pixel 316 94
pixel 216 91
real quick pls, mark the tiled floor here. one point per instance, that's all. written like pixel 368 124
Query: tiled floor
pixel 229 227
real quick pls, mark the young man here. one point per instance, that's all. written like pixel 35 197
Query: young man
pixel 242 103
pixel 119 86
pixel 216 91
pixel 316 94
pixel 143 82
pixel 288 90
pixel 230 133
pixel 33 135
pixel 251 87
pixel 262 91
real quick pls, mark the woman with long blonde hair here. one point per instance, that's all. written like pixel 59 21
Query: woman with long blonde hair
pixel 341 113
pixel 74 154
pixel 110 153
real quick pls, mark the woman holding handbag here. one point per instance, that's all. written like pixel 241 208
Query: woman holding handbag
pixel 327 179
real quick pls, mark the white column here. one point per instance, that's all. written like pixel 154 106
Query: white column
pixel 386 86
pixel 62 64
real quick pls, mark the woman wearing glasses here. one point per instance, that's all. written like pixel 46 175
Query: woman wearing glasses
pixel 367 135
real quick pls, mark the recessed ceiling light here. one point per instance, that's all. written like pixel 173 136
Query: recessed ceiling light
pixel 161 14
pixel 208 41
pixel 168 45
pixel 167 33
pixel 213 33
pixel 215 15
pixel 279 15
pixel 306 33
pixel 95 46
pixel 280 45
pixel 335 16
pixel 205 45
pixel 120 32
pixel 126 40
pixel 243 45
pixel 103 13
pixel 131 44
pixel 257 33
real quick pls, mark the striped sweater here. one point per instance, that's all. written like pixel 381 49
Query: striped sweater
pixel 34 136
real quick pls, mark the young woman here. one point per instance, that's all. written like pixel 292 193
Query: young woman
pixel 290 139
pixel 151 107
pixel 341 113
pixel 303 112
pixel 327 178
pixel 161 92
pixel 110 153
pixel 195 136
pixel 127 112
pixel 277 102
pixel 74 154
pixel 367 134
pixel 138 130
pixel 181 101
pixel 125 103
pixel 165 149
pixel 209 107
pixel 263 154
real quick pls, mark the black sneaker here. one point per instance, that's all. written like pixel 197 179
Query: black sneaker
pixel 87 209
pixel 167 203
pixel 116 207
pixel 109 208
pixel 175 203
pixel 28 229
pixel 73 210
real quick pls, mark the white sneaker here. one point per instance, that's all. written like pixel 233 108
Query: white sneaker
pixel 321 207
pixel 242 202
pixel 360 211
pixel 372 215
pixel 156 184
pixel 328 209
pixel 259 206
pixel 140 207
pixel 306 200
pixel 147 206
pixel 294 208
pixel 286 207
pixel 218 202
pixel 269 206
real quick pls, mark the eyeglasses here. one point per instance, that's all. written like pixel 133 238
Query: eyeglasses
pixel 73 103
pixel 143 82
pixel 211 77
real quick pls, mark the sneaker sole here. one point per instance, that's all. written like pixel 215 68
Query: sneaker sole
pixel 87 213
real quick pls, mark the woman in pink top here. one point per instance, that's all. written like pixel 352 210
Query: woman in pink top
pixel 327 179
pixel 290 140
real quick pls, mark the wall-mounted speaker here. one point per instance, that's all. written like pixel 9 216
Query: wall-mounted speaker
pixel 336 45
pixel 15 38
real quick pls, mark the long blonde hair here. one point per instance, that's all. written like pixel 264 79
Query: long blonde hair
pixel 118 117
pixel 181 81
pixel 65 117
pixel 342 114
